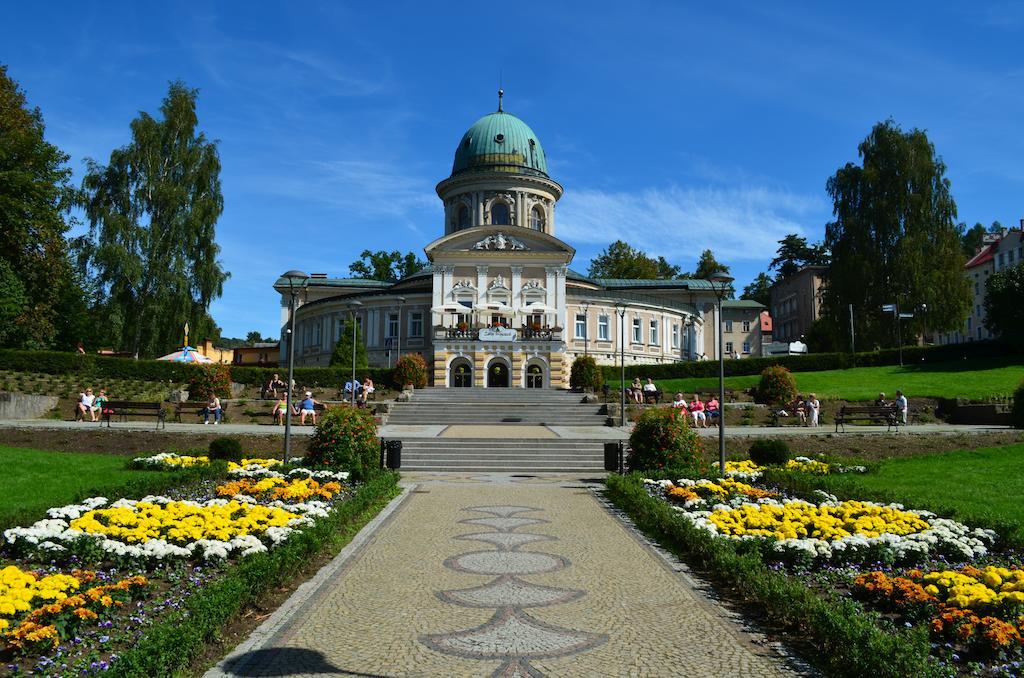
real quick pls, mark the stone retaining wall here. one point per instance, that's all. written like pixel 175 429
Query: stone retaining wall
pixel 23 406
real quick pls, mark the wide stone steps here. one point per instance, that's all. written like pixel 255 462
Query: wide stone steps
pixel 454 406
pixel 488 455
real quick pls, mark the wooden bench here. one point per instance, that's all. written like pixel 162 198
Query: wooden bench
pixel 197 408
pixel 122 409
pixel 873 413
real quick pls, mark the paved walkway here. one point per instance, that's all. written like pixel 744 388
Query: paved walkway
pixel 477 575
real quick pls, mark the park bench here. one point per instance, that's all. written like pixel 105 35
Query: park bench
pixel 319 408
pixel 197 408
pixel 652 397
pixel 122 409
pixel 873 413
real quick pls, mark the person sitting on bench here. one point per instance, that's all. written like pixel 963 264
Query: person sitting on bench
pixel 280 408
pixel 712 410
pixel 273 386
pixel 212 407
pixel 650 390
pixel 365 390
pixel 697 410
pixel 87 404
pixel 308 408
pixel 680 403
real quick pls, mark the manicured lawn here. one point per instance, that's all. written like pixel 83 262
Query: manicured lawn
pixel 984 485
pixel 975 379
pixel 35 480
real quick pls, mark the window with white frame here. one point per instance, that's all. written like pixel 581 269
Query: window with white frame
pixel 746 325
pixel 654 333
pixel 728 347
pixel 581 326
pixel 416 324
pixel 746 347
pixel 637 331
pixel 603 329
pixel 728 326
pixel 391 329
pixel 675 335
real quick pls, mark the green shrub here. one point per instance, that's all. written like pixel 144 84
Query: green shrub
pixel 586 374
pixel 346 438
pixel 410 369
pixel 769 452
pixel 227 449
pixel 205 381
pixel 663 444
pixel 1017 415
pixel 777 386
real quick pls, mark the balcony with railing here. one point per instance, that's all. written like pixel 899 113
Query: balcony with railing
pixel 467 333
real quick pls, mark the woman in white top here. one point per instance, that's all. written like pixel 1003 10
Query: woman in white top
pixel 87 404
pixel 813 407
pixel 679 403
pixel 212 407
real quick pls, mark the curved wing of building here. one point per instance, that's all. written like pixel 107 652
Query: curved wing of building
pixel 499 306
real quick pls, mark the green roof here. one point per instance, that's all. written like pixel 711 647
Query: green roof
pixel 338 282
pixel 742 303
pixel 690 284
pixel 500 142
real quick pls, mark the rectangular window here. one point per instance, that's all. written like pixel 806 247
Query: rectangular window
pixel 675 336
pixel 602 328
pixel 728 348
pixel 746 347
pixel 728 326
pixel 746 325
pixel 1009 257
pixel 968 323
pixel 581 326
pixel 391 331
pixel 654 333
pixel 637 336
pixel 977 288
pixel 416 324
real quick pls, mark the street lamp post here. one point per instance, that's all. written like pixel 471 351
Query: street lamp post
pixel 720 284
pixel 355 303
pixel 586 327
pixel 296 281
pixel 620 308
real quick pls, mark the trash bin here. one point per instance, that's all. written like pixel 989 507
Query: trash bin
pixel 612 457
pixel 393 458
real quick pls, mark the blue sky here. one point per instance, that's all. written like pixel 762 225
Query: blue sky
pixel 673 126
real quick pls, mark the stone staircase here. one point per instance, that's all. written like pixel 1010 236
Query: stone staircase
pixel 513 451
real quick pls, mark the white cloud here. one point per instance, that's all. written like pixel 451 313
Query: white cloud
pixel 738 224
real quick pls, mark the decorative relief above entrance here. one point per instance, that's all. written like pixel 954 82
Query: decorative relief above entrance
pixel 500 241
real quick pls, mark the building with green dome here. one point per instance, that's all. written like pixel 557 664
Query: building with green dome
pixel 499 305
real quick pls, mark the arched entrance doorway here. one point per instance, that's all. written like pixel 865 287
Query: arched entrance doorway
pixel 460 373
pixel 534 376
pixel 497 375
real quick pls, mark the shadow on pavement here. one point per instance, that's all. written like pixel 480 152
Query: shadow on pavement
pixel 286 661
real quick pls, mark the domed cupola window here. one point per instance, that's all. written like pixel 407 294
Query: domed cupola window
pixel 462 218
pixel 537 218
pixel 500 215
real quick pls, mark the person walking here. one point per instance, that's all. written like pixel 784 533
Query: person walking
pixel 813 409
pixel 902 406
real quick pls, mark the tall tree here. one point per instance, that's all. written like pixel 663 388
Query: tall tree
pixel 1004 312
pixel 35 197
pixel 152 215
pixel 759 289
pixel 894 238
pixel 384 265
pixel 253 337
pixel 794 253
pixel 620 260
pixel 342 355
pixel 974 237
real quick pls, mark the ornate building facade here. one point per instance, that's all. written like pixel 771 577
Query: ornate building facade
pixel 498 305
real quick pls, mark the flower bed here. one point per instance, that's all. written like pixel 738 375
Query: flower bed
pixel 170 460
pixel 748 471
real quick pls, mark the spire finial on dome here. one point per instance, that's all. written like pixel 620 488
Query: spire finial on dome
pixel 501 93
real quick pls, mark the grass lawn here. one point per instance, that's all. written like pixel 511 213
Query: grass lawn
pixel 975 379
pixel 35 480
pixel 982 485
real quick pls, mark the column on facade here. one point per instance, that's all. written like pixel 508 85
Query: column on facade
pixel 437 298
pixel 516 302
pixel 481 283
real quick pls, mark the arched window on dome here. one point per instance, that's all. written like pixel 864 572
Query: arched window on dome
pixel 500 215
pixel 537 218
pixel 462 218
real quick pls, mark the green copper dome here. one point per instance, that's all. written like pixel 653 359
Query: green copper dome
pixel 500 142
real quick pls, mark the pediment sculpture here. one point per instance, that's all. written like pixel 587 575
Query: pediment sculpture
pixel 500 241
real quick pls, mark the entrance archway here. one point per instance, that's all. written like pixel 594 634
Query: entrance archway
pixel 534 376
pixel 497 374
pixel 460 373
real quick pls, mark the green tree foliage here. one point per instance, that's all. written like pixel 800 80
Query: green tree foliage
pixel 35 196
pixel 894 239
pixel 342 356
pixel 777 386
pixel 387 266
pixel 664 445
pixel 586 374
pixel 411 368
pixel 973 238
pixel 759 289
pixel 346 438
pixel 620 260
pixel 13 302
pixel 1004 302
pixel 253 337
pixel 708 267
pixel 794 253
pixel 152 215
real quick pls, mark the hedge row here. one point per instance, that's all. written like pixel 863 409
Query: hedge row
pixel 168 647
pixel 103 368
pixel 816 362
pixel 846 640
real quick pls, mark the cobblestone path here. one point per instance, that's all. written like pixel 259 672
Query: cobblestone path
pixel 499 576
